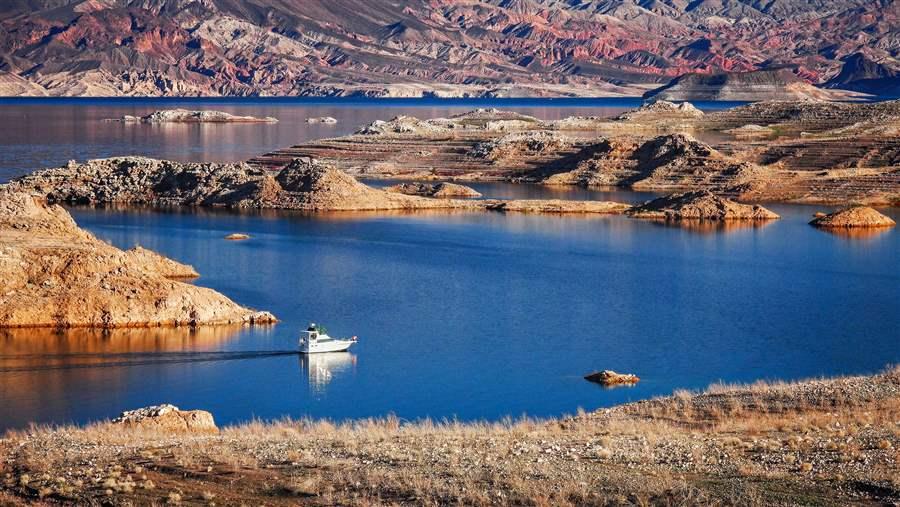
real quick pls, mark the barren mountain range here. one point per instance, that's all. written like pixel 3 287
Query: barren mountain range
pixel 434 47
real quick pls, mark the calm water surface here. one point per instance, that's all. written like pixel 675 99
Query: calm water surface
pixel 37 133
pixel 466 315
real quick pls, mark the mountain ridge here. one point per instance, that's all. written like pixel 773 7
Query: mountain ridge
pixel 423 47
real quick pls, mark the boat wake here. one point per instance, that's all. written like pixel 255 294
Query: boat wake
pixel 44 362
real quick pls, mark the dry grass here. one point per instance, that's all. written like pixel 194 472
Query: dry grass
pixel 824 441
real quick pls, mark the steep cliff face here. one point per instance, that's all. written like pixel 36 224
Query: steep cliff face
pixel 420 47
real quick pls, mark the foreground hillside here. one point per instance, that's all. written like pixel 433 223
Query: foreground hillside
pixel 825 442
pixel 423 47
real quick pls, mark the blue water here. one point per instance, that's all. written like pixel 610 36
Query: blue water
pixel 45 132
pixel 474 316
pixel 463 315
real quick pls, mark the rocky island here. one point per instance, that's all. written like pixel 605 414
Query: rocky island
pixel 187 116
pixel 54 274
pixel 853 217
pixel 699 205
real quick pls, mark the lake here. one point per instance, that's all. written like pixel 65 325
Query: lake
pixel 462 316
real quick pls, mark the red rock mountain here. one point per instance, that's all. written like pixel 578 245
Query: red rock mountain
pixel 416 47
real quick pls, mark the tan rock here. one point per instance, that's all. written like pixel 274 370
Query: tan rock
pixel 853 217
pixel 611 378
pixel 237 236
pixel 168 418
pixel 699 205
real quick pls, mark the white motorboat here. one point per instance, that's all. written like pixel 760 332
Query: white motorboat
pixel 315 340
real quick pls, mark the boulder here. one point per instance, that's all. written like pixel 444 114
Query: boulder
pixel 237 236
pixel 168 418
pixel 856 216
pixel 611 378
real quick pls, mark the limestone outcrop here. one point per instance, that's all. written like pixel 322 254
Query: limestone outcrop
pixel 168 418
pixel 699 205
pixel 188 116
pixel 54 274
pixel 854 217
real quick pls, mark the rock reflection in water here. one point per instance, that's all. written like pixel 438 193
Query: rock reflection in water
pixel 322 368
pixel 712 226
pixel 86 374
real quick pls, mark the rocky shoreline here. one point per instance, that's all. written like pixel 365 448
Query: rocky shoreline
pixel 305 185
pixel 826 441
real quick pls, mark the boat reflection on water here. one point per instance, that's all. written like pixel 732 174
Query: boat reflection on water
pixel 321 368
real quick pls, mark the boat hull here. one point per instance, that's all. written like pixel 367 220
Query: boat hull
pixel 329 346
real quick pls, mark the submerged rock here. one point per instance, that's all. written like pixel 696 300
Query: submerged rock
pixel 168 418
pixel 856 216
pixel 699 205
pixel 611 378
pixel 188 116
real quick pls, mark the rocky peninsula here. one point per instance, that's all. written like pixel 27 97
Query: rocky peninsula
pixel 827 441
pixel 54 274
